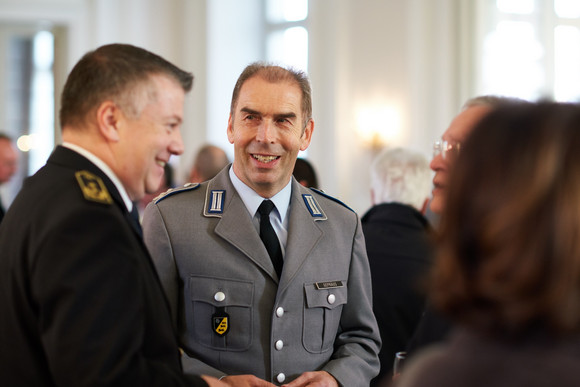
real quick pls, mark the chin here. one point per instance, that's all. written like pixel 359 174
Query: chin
pixel 436 206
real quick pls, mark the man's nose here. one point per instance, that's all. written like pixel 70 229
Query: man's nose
pixel 437 162
pixel 176 146
pixel 266 131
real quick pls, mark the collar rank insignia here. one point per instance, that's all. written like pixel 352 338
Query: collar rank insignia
pixel 216 202
pixel 220 322
pixel 312 205
pixel 93 187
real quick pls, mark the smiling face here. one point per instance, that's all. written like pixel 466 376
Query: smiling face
pixel 457 132
pixel 148 140
pixel 267 130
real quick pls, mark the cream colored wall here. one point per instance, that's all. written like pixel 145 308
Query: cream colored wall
pixel 411 55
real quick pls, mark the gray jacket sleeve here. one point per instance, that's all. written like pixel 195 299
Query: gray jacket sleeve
pixel 159 246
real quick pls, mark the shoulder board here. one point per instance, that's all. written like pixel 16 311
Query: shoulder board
pixel 173 191
pixel 93 187
pixel 318 191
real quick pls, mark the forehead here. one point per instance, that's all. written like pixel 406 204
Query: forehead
pixel 270 97
pixel 464 123
pixel 161 92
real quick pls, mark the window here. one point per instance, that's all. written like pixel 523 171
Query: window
pixel 286 32
pixel 287 35
pixel 40 139
pixel 27 98
pixel 531 49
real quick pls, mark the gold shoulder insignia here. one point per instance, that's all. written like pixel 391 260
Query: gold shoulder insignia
pixel 93 187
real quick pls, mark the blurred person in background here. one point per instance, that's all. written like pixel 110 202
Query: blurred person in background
pixel 507 271
pixel 433 328
pixel 398 246
pixel 305 174
pixel 8 164
pixel 208 162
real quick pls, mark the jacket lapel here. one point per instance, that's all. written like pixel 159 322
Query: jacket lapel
pixel 235 225
pixel 303 232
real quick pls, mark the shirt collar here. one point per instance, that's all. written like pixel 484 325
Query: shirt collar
pixel 106 170
pixel 252 200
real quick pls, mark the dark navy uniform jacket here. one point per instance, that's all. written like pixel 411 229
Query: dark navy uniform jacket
pixel 80 302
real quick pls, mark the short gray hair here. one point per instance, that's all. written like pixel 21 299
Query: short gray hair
pixel 401 175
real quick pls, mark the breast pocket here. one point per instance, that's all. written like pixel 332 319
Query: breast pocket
pixel 221 312
pixel 322 316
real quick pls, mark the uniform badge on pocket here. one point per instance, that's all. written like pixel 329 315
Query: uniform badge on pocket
pixel 221 322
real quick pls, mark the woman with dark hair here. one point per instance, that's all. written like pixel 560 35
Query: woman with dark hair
pixel 508 266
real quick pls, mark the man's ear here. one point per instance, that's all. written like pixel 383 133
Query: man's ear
pixel 109 118
pixel 230 129
pixel 307 135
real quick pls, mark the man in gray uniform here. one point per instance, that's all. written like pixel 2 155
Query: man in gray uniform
pixel 238 319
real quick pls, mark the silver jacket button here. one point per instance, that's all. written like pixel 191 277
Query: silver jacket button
pixel 280 311
pixel 279 345
pixel 219 296
pixel 281 377
pixel 331 298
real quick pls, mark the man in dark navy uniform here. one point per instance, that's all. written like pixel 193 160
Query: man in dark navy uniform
pixel 80 301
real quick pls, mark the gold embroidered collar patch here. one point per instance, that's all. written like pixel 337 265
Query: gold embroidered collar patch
pixel 93 187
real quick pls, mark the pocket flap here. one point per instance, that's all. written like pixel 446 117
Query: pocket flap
pixel 328 298
pixel 221 291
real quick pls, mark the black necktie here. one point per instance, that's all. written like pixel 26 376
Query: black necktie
pixel 268 236
pixel 134 216
pixel 2 211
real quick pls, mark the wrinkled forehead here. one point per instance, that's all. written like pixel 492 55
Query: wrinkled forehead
pixel 283 95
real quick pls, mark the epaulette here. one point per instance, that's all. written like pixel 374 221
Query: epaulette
pixel 173 191
pixel 319 191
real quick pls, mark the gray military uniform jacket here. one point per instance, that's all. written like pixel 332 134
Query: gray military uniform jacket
pixel 234 315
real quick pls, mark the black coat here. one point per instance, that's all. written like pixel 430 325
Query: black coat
pixel 80 301
pixel 399 251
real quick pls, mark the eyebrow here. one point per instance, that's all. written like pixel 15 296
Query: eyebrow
pixel 250 111
pixel 285 115
pixel 175 117
pixel 276 115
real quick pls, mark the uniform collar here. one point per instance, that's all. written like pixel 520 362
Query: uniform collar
pixel 106 170
pixel 252 200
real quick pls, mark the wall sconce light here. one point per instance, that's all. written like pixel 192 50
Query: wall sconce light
pixel 27 142
pixel 378 126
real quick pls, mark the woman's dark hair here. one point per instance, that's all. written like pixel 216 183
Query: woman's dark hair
pixel 509 257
